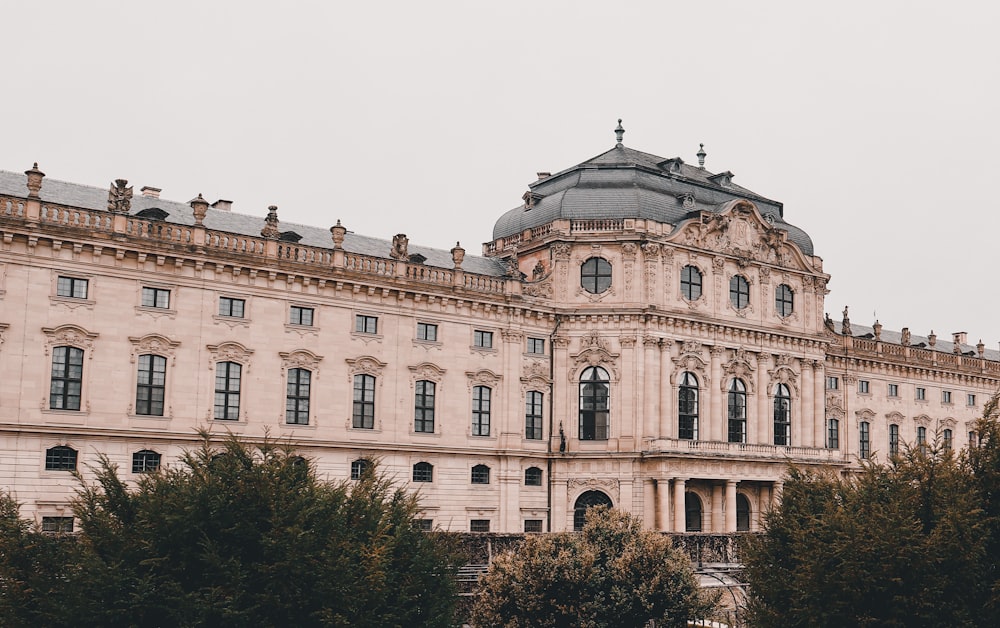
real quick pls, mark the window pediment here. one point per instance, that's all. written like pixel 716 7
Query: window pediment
pixel 71 335
pixel 300 358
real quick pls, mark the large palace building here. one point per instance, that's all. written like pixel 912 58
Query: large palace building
pixel 638 332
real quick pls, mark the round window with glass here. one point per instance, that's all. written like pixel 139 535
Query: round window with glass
pixel 595 275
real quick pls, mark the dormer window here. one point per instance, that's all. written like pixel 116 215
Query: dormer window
pixel 417 258
pixel 289 236
pixel 725 179
pixel 153 213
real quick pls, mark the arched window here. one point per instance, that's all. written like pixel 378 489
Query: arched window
pixel 532 476
pixel 737 412
pixel 60 458
pixel 784 301
pixel 893 439
pixel 922 439
pixel 946 438
pixel 739 292
pixel 480 474
pixel 363 415
pixel 66 384
pixel 595 275
pixel 864 440
pixel 782 415
pixel 423 413
pixel 533 415
pixel 297 396
pixel 833 434
pixel 423 472
pixel 586 501
pixel 692 513
pixel 690 283
pixel 359 468
pixel 742 513
pixel 227 391
pixel 687 407
pixel 595 393
pixel 481 410
pixel 145 461
pixel 151 384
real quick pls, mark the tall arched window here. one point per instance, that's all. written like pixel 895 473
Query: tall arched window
pixel 783 301
pixel 690 283
pixel 833 433
pixel 423 412
pixel 737 412
pixel 742 513
pixel 67 378
pixel 692 513
pixel 151 383
pixel 585 502
pixel 297 396
pixel 595 394
pixel 363 412
pixel 946 438
pixel 481 410
pixel 227 391
pixel 687 407
pixel 782 415
pixel 864 440
pixel 893 439
pixel 739 292
pixel 922 439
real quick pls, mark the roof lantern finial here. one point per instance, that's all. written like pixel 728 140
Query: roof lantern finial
pixel 619 133
pixel 701 155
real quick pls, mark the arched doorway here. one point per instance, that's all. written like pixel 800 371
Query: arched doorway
pixel 692 513
pixel 742 513
pixel 585 501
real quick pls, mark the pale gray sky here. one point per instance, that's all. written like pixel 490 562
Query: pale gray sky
pixel 874 122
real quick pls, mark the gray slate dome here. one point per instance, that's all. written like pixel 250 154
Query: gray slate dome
pixel 626 183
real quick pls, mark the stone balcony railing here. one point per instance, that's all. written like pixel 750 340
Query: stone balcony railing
pixel 122 228
pixel 877 349
pixel 717 449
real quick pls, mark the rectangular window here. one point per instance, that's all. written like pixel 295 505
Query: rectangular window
pixel 832 383
pixel 536 345
pixel 145 461
pixel 364 402
pixel 945 396
pixel 970 400
pixel 481 396
pixel 893 439
pixel 921 393
pixel 299 315
pixel 533 525
pixel 364 324
pixel 423 419
pixel 156 297
pixel 227 391
pixel 833 434
pixel 893 390
pixel 57 525
pixel 151 385
pixel 424 525
pixel 479 525
pixel 67 378
pixel 482 339
pixel 864 442
pixel 232 308
pixel 533 415
pixel 480 474
pixel 297 390
pixel 864 386
pixel 427 331
pixel 72 287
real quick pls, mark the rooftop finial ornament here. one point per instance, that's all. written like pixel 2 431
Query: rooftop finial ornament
pixel 619 133
pixel 120 197
pixel 701 155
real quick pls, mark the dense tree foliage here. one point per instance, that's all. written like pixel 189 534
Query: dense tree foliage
pixel 613 573
pixel 236 536
pixel 910 542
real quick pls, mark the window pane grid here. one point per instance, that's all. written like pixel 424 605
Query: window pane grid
pixel 737 412
pixel 783 301
pixel 480 474
pixel 691 283
pixel 231 307
pixel 533 415
pixel 300 316
pixel 364 402
pixel 427 331
pixel 156 297
pixel 595 275
pixel 60 459
pixel 297 396
pixel 595 393
pixel 423 472
pixel 72 287
pixel 481 411
pixel 151 385
pixel 67 378
pixel 423 420
pixel 739 292
pixel 145 461
pixel 782 416
pixel 864 440
pixel 687 408
pixel 227 391
pixel 364 324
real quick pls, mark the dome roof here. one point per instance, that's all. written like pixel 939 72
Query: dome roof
pixel 626 183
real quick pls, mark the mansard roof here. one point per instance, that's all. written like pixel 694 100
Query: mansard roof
pixel 94 198
pixel 627 183
pixel 941 345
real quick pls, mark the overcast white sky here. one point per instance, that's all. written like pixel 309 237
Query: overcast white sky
pixel 873 122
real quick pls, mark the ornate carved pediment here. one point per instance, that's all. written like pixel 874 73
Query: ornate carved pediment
pixel 300 358
pixel 536 376
pixel 594 351
pixel 922 420
pixel 426 370
pixel 606 485
pixel 231 352
pixel 834 408
pixel 483 377
pixel 782 373
pixel 948 423
pixel 737 228
pixel 894 417
pixel 741 366
pixel 690 359
pixel 153 343
pixel 865 414
pixel 541 288
pixel 72 335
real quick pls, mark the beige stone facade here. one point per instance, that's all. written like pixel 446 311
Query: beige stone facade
pixel 554 367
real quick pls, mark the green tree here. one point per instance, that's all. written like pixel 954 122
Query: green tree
pixel 897 544
pixel 246 535
pixel 983 463
pixel 614 573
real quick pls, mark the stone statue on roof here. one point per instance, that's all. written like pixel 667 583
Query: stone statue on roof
pixel 845 326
